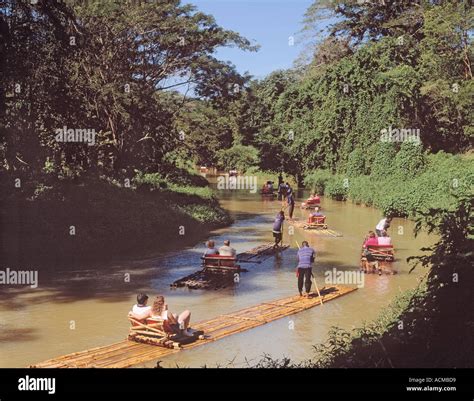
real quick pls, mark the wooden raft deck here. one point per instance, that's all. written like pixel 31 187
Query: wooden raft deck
pixel 128 353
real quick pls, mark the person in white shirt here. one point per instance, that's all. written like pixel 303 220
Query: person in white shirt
pixel 382 226
pixel 141 311
pixel 226 249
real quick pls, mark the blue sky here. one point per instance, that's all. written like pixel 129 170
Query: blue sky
pixel 268 23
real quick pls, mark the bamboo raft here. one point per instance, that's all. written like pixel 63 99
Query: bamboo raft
pixel 129 353
pixel 218 279
pixel 324 232
pixel 383 256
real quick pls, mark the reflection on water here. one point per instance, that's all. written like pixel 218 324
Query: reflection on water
pixel 72 311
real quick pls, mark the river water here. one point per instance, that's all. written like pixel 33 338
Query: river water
pixel 73 311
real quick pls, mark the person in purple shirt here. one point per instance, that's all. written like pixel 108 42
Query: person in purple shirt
pixel 306 256
pixel 278 228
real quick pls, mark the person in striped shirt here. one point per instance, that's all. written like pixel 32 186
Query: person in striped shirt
pixel 306 256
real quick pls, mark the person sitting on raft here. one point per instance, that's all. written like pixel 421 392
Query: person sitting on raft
pixel 226 249
pixel 277 228
pixel 211 249
pixel 177 323
pixel 371 262
pixel 141 311
pixel 382 226
pixel 385 239
pixel 317 212
pixel 267 188
pixel 371 239
pixel 314 198
pixel 316 215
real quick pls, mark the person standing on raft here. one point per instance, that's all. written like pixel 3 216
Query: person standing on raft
pixel 282 188
pixel 383 226
pixel 304 271
pixel 278 228
pixel 290 200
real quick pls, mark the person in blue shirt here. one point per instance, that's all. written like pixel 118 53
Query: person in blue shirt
pixel 211 249
pixel 306 256
pixel 278 228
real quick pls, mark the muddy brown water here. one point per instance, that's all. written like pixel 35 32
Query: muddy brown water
pixel 73 311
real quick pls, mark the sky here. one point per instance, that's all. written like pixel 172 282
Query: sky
pixel 268 23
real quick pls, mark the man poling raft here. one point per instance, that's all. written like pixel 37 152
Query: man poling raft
pixel 281 187
pixel 290 201
pixel 277 228
pixel 304 271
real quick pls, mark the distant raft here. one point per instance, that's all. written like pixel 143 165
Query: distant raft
pixel 318 228
pixel 223 271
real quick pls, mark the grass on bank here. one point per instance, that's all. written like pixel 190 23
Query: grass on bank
pixel 401 187
pixel 108 218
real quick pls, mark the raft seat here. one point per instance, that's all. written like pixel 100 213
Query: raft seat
pixel 220 262
pixel 382 252
pixel 152 331
pixel 155 331
pixel 316 219
pixel 316 222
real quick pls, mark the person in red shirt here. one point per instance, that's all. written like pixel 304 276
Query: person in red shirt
pixel 370 261
pixel 371 239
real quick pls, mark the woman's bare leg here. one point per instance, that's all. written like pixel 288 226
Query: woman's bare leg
pixel 183 319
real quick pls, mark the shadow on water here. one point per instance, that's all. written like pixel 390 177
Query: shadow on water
pixel 8 334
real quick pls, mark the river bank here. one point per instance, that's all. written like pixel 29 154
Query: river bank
pixel 99 220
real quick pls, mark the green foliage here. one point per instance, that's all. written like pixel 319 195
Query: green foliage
pixel 415 76
pixel 415 182
pixel 356 163
pixel 409 161
pixel 112 221
pixel 238 156
pixel 114 79
pixel 317 180
pixel 336 188
pixel 384 155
